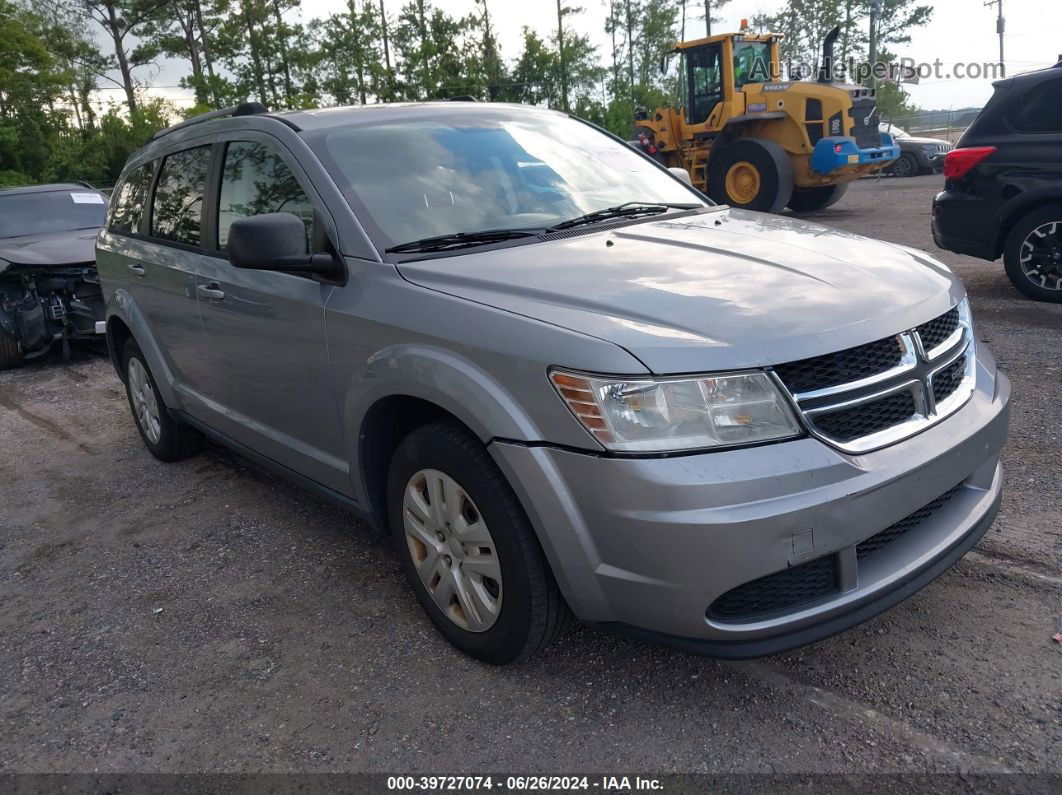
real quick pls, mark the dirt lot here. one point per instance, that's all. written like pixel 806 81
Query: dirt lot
pixel 207 616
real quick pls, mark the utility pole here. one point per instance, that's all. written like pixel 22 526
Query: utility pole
pixel 1000 26
pixel 875 11
pixel 708 16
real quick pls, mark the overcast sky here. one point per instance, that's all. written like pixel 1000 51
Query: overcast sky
pixel 960 31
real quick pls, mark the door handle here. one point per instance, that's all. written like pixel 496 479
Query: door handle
pixel 212 291
pixel 136 270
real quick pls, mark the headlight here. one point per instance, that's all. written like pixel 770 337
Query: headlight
pixel 661 415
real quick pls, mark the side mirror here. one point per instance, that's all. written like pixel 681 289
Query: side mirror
pixel 682 174
pixel 275 242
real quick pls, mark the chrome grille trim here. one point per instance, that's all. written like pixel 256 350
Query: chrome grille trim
pixel 914 374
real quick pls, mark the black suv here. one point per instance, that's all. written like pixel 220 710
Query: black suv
pixel 1003 184
pixel 49 288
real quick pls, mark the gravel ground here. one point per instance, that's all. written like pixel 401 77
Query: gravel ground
pixel 208 617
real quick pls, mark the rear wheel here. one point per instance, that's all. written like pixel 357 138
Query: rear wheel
pixel 1033 254
pixel 905 166
pixel 165 437
pixel 752 174
pixel 810 199
pixel 10 352
pixel 468 549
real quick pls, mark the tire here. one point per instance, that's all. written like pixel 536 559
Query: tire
pixel 10 352
pixel 166 438
pixel 761 165
pixel 811 199
pixel 1044 254
pixel 905 166
pixel 508 618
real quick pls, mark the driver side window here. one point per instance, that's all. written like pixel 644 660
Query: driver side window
pixel 256 181
pixel 705 82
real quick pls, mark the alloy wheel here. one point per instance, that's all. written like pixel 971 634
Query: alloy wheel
pixel 1041 256
pixel 902 167
pixel 145 407
pixel 452 550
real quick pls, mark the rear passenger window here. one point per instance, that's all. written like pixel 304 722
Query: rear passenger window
pixel 128 206
pixel 257 181
pixel 177 208
pixel 1040 110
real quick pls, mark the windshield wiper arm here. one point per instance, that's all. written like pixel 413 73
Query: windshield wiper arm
pixel 458 239
pixel 622 211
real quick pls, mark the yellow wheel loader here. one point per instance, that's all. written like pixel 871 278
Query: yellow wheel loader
pixel 750 139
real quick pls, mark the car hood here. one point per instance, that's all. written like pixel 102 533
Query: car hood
pixel 75 247
pixel 723 289
pixel 920 141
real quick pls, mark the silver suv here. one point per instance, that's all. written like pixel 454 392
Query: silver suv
pixel 559 377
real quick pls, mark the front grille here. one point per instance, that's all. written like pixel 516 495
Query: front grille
pixel 783 590
pixel 879 541
pixel 939 329
pixel 850 398
pixel 946 381
pixel 867 418
pixel 842 367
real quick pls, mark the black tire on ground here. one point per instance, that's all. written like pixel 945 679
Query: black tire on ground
pixel 905 166
pixel 1045 283
pixel 803 201
pixel 772 165
pixel 176 441
pixel 532 611
pixel 10 352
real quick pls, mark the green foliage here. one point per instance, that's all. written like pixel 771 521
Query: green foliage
pixel 57 55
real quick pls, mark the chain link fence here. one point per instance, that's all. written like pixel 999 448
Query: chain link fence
pixel 947 125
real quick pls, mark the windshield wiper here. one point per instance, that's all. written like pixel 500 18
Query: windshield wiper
pixel 459 239
pixel 624 210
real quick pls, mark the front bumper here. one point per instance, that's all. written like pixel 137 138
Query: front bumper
pixel 840 152
pixel 647 544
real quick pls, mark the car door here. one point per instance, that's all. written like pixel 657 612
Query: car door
pixel 155 234
pixel 266 375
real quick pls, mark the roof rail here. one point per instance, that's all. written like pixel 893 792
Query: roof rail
pixel 243 109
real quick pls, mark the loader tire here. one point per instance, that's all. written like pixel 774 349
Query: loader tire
pixel 10 352
pixel 811 199
pixel 751 173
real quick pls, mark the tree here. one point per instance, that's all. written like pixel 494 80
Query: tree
pixel 348 58
pixel 122 21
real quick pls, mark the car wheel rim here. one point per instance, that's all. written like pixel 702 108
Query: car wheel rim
pixel 1041 256
pixel 145 407
pixel 452 550
pixel 903 167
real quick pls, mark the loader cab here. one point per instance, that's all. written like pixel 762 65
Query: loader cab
pixel 715 69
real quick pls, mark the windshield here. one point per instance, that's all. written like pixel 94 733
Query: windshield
pixel 53 211
pixel 752 62
pixel 473 171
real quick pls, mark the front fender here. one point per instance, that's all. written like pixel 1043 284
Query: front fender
pixel 439 376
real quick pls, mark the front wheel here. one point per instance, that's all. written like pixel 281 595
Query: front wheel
pixel 905 166
pixel 811 199
pixel 468 549
pixel 1032 254
pixel 752 174
pixel 10 352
